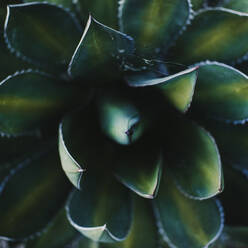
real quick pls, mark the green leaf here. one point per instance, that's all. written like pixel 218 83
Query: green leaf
pixel 233 143
pixel 78 137
pixel 120 119
pixel 30 99
pixel 64 3
pixel 104 11
pixel 58 234
pixel 154 24
pixel 31 196
pixel 221 93
pixel 139 167
pixel 234 198
pixel 53 30
pixel 193 158
pixel 238 5
pixel 102 210
pixel 143 232
pixel 233 237
pixel 197 4
pixel 99 48
pixel 184 222
pixel 213 35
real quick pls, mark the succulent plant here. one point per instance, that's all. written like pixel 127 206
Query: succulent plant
pixel 119 122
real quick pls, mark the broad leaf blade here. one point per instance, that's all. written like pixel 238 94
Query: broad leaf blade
pixel 24 208
pixel 221 93
pixel 101 210
pixel 213 35
pixel 100 47
pixel 29 100
pixel 154 24
pixel 184 222
pixel 64 3
pixel 54 31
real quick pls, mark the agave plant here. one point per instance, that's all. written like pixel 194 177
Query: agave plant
pixel 119 121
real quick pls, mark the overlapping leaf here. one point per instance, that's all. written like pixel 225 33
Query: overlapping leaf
pixel 184 222
pixel 238 5
pixel 102 210
pixel 24 208
pixel 213 35
pixel 221 93
pixel 25 26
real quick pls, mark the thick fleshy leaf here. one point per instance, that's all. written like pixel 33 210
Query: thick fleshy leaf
pixel 29 99
pixel 213 35
pixel 234 198
pixel 221 93
pixel 64 3
pixel 233 143
pixel 193 158
pixel 120 119
pixel 184 222
pixel 102 210
pixel 154 24
pixel 233 237
pixel 82 146
pixel 104 11
pixel 143 232
pixel 139 167
pixel 53 30
pixel 99 48
pixel 58 234
pixel 238 5
pixel 31 196
pixel 197 4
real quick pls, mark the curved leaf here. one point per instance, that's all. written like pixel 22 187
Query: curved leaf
pixel 234 198
pixel 143 232
pixel 221 93
pixel 184 222
pixel 82 146
pixel 104 11
pixel 102 210
pixel 58 234
pixel 64 3
pixel 238 5
pixel 53 30
pixel 193 158
pixel 99 48
pixel 213 35
pixel 139 167
pixel 233 143
pixel 154 24
pixel 24 205
pixel 29 99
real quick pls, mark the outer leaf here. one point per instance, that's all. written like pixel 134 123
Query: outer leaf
pixel 105 11
pixel 233 237
pixel 102 210
pixel 232 141
pixel 64 3
pixel 193 158
pixel 99 48
pixel 78 135
pixel 213 35
pixel 53 30
pixel 184 222
pixel 58 234
pixel 120 119
pixel 30 99
pixel 238 5
pixel 143 232
pixel 24 208
pixel 234 198
pixel 221 93
pixel 139 167
pixel 153 23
